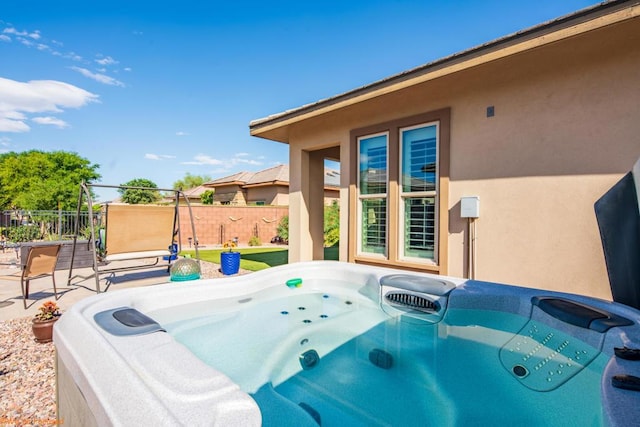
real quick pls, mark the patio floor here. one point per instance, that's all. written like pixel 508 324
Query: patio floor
pixel 82 284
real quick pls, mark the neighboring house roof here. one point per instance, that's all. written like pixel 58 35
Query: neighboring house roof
pixel 277 175
pixel 238 178
pixel 274 127
pixel 195 192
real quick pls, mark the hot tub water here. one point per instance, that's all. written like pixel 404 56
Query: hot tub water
pixel 443 373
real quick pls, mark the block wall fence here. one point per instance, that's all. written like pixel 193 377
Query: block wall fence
pixel 216 224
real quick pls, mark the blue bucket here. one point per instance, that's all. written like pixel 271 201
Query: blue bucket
pixel 229 262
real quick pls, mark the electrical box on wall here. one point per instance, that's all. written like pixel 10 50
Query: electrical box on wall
pixel 470 207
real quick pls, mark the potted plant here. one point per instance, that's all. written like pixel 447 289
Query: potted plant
pixel 42 323
pixel 230 260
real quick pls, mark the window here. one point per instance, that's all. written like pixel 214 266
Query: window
pixel 372 183
pixel 418 169
pixel 401 172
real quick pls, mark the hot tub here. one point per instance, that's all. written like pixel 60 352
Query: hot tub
pixel 330 343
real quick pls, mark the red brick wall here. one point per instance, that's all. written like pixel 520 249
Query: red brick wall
pixel 230 221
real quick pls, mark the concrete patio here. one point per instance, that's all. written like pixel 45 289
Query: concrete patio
pixel 82 284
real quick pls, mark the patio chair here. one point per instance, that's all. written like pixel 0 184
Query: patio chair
pixel 40 262
pixel 618 216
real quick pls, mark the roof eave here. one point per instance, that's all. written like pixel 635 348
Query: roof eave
pixel 265 184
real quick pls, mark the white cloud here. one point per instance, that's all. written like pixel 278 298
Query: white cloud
pixel 180 133
pixel 17 99
pixel 203 159
pixel 150 156
pixel 241 158
pixel 72 56
pixel 11 30
pixel 34 39
pixel 237 161
pixel 35 35
pixel 9 125
pixel 106 61
pixel 53 121
pixel 101 78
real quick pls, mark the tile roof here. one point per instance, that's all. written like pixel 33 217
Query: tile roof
pixel 276 173
pixel 279 173
pixel 196 191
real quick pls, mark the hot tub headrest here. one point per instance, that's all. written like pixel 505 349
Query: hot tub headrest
pixel 126 321
pixel 618 216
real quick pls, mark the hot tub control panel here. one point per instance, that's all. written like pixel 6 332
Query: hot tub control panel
pixel 560 339
pixel 543 358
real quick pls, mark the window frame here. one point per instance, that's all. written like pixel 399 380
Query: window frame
pixel 361 197
pixel 394 238
pixel 403 195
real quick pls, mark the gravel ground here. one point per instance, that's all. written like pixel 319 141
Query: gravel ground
pixel 27 376
pixel 27 373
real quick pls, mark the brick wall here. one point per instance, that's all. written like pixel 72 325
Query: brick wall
pixel 217 224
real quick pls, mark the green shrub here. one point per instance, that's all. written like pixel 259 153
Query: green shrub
pixel 255 241
pixel 331 225
pixel 283 228
pixel 24 233
pixel 207 197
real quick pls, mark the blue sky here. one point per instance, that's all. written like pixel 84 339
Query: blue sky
pixel 157 90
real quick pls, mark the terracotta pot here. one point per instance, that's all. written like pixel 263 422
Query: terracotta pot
pixel 43 329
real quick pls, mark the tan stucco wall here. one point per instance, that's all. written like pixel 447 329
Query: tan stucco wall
pixel 566 127
pixel 271 195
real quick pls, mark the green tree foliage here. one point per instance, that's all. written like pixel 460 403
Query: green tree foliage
pixel 207 197
pixel 190 181
pixel 38 180
pixel 283 228
pixel 332 224
pixel 138 196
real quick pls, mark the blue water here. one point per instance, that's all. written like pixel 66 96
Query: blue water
pixel 444 374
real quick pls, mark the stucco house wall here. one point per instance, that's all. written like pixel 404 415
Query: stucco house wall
pixel 565 128
pixel 269 194
pixel 229 195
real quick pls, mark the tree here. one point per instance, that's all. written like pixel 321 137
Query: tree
pixel 39 180
pixel 207 197
pixel 332 224
pixel 283 228
pixel 190 181
pixel 136 196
